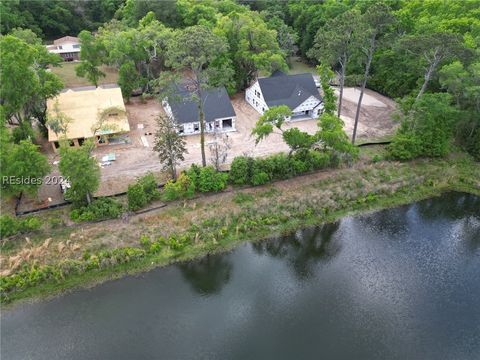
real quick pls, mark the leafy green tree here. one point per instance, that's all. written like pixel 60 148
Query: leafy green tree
pixel 169 145
pixel 253 47
pixel 335 43
pixel 331 134
pixel 434 49
pixel 272 118
pixel 275 118
pixel 375 21
pixel 454 78
pixel 463 83
pixel 128 79
pixel 308 16
pixel 81 170
pixel 426 129
pixel 329 98
pixel 192 51
pixel 143 46
pixel 26 82
pixel 287 38
pixel 92 54
pixel 197 12
pixel 26 165
pixel 164 11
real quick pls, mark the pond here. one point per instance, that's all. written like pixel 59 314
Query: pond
pixel 401 283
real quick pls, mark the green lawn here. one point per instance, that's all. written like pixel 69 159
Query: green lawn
pixel 67 73
pixel 299 66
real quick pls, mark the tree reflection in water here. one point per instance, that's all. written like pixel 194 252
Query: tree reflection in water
pixel 304 249
pixel 207 275
pixel 452 205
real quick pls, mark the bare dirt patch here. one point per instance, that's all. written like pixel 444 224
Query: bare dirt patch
pixel 375 122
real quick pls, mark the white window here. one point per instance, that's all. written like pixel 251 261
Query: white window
pixel 181 129
pixel 196 126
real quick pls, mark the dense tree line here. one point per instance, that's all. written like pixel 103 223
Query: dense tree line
pixel 55 18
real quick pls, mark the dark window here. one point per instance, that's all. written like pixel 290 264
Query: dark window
pixel 227 123
pixel 196 126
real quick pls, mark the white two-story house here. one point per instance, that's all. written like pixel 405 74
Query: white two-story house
pixel 298 92
pixel 218 110
pixel 68 47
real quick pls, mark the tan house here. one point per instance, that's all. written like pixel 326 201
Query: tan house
pixel 68 47
pixel 90 112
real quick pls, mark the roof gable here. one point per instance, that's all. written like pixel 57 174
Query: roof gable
pixel 290 90
pixel 217 105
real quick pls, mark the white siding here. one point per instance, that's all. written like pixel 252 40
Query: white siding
pixel 254 96
pixel 312 104
pixel 189 128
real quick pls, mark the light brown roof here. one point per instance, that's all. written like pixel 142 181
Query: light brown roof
pixel 83 108
pixel 66 39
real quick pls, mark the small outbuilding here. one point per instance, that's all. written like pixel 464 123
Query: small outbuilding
pixel 299 92
pixel 91 112
pixel 219 113
pixel 68 47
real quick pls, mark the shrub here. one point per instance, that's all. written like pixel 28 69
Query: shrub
pixel 240 170
pixel 405 146
pixel 144 191
pixel 211 180
pixel 260 178
pixel 99 209
pixel 150 187
pixel 194 174
pixel 136 196
pixel 318 160
pixel 180 189
pixel 281 166
pixel 10 225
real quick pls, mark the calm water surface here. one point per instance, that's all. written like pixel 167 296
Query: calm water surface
pixel 402 283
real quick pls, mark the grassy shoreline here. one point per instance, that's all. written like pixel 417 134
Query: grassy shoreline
pixel 261 215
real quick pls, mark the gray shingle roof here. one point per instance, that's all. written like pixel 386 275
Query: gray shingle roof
pixel 216 105
pixel 290 90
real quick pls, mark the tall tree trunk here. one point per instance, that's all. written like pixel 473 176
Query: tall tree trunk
pixel 89 198
pixel 342 83
pixel 427 77
pixel 174 171
pixel 202 125
pixel 371 50
pixel 202 136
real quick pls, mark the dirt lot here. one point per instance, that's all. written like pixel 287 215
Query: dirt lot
pixel 375 122
pixel 134 159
